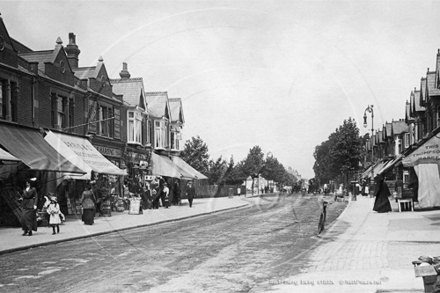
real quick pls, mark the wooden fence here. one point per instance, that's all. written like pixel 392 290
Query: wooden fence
pixel 206 191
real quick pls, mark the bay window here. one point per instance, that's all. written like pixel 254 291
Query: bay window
pixel 160 134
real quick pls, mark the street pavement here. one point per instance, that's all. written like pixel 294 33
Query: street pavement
pixel 365 251
pixel 362 251
pixel 11 239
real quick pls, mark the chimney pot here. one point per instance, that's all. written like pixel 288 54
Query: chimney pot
pixel 72 39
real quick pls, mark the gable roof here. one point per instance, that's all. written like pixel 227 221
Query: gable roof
pixel 417 106
pixel 158 103
pixel 132 90
pixel 379 136
pixel 46 56
pixel 432 89
pixel 387 132
pixel 176 110
pixel 399 127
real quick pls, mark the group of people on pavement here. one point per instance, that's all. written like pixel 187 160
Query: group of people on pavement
pixel 29 202
pixel 152 195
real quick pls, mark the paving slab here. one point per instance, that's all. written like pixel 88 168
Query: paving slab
pixel 366 251
pixel 11 239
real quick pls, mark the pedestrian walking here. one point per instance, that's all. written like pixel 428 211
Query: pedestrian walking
pixel 190 193
pixel 155 193
pixel 29 208
pixel 165 195
pixel 88 205
pixel 381 203
pixel 176 191
pixel 54 212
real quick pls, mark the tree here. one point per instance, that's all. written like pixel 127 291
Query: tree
pixel 195 153
pixel 217 170
pixel 253 164
pixel 340 154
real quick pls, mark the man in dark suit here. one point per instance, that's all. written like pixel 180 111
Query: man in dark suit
pixel 190 193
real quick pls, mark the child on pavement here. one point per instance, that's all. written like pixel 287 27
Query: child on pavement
pixel 54 211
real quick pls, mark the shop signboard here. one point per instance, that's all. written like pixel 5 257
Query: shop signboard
pixel 135 204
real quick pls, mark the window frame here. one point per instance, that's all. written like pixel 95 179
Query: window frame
pixel 134 135
pixel 106 126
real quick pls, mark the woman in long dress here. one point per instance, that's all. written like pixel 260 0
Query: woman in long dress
pixel 29 208
pixel 381 203
pixel 88 204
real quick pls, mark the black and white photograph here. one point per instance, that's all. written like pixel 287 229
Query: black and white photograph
pixel 219 146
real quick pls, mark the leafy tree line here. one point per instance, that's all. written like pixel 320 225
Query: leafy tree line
pixel 221 171
pixel 340 155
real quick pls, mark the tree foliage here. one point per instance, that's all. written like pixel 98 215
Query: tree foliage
pixel 195 153
pixel 220 171
pixel 340 154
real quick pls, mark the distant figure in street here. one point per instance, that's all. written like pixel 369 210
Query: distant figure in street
pixel 88 204
pixel 29 207
pixel 176 191
pixel 165 195
pixel 381 203
pixel 155 193
pixel 55 214
pixel 190 193
pixel 63 194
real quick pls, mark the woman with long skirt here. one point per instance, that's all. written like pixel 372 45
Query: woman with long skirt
pixel 88 204
pixel 381 203
pixel 29 208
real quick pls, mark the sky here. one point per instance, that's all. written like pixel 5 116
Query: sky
pixel 282 75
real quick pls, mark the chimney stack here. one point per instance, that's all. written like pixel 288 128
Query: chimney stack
pixel 124 74
pixel 72 51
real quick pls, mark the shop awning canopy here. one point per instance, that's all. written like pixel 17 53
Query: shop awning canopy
pixel 29 146
pixel 391 163
pixel 5 156
pixel 164 166
pixel 83 154
pixel 427 153
pixel 185 166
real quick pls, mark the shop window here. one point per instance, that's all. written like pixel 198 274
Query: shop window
pixel 405 179
pixel 134 127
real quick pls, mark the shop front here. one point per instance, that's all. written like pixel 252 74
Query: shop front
pixel 425 162
pixel 36 158
pixel 138 162
pixel 105 175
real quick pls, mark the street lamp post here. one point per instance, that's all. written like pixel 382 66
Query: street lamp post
pixel 369 109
